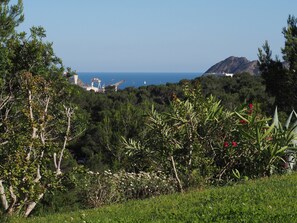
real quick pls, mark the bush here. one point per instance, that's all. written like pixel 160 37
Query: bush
pixel 256 146
pixel 117 187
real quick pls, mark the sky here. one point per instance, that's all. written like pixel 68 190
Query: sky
pixel 157 35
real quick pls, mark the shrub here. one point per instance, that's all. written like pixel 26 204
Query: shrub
pixel 256 146
pixel 117 187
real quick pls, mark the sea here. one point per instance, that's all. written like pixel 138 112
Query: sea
pixel 136 79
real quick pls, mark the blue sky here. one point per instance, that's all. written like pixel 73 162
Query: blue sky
pixel 157 35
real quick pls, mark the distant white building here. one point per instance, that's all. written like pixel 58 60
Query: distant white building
pixel 98 88
pixel 93 88
pixel 228 74
pixel 75 79
pixel 220 74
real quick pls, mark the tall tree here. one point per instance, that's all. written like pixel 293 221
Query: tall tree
pixel 10 17
pixel 280 78
pixel 290 49
pixel 275 75
pixel 36 115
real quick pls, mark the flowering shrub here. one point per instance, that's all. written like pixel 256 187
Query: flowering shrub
pixel 248 145
pixel 111 187
pixel 256 146
pixel 198 141
pixel 143 185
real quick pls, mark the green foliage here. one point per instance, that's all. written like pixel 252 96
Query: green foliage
pixel 255 201
pixel 193 140
pixel 257 150
pixel 197 141
pixel 275 76
pixel 107 188
pixel 114 115
pixel 253 147
pixel 67 195
pixel 280 78
pixel 289 51
pixel 10 17
pixel 36 120
pixel 122 114
pixel 234 91
pixel 178 141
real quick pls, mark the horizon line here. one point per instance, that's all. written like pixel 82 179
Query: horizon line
pixel 140 72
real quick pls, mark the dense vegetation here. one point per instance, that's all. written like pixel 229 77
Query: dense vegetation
pixel 63 148
pixel 265 200
pixel 122 114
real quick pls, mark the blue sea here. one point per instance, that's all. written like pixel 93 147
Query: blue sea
pixel 136 79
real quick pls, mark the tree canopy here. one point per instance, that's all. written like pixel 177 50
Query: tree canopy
pixel 10 17
pixel 37 118
pixel 280 77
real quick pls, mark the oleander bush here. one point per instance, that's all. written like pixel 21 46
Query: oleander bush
pixel 257 145
pixel 199 142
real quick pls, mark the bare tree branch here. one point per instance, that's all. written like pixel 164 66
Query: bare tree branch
pixel 3 196
pixel 32 205
pixel 5 101
pixel 69 113
pixel 13 201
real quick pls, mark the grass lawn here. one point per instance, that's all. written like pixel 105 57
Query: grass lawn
pixel 265 200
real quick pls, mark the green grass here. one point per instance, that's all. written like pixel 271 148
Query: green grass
pixel 264 200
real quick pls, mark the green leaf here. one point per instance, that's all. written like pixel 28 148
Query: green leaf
pixel 275 118
pixel 281 150
pixel 241 117
pixel 267 132
pixel 289 120
pixel 236 173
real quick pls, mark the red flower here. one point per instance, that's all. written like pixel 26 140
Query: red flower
pixel 251 106
pixel 226 144
pixel 243 122
pixel 234 144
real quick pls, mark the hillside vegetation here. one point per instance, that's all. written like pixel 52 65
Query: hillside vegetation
pixel 65 149
pixel 265 200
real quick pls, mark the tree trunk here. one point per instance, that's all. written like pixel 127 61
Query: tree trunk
pixel 11 207
pixel 32 205
pixel 69 112
pixel 176 174
pixel 3 196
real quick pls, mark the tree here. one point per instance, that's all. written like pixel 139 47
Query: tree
pixel 290 49
pixel 37 118
pixel 11 17
pixel 280 77
pixel 241 88
pixel 275 75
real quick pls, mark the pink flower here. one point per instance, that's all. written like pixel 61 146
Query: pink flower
pixel 234 144
pixel 226 144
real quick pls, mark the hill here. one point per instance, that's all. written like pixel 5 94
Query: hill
pixel 234 65
pixel 264 200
